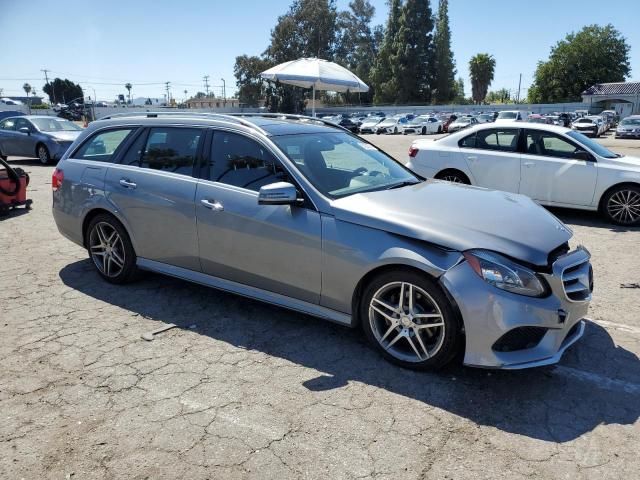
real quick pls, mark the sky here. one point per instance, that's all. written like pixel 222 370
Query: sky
pixel 104 44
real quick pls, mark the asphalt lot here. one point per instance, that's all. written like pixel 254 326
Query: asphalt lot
pixel 244 390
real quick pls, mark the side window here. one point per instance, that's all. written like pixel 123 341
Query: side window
pixel 23 123
pixel 171 149
pixel 502 140
pixel 9 124
pixel 134 154
pixel 549 145
pixel 102 146
pixel 468 141
pixel 242 162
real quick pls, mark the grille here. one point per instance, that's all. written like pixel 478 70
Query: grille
pixel 577 281
pixel 519 338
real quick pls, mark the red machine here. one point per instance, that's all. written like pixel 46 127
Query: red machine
pixel 13 187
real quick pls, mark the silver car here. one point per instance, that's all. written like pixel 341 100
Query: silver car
pixel 46 138
pixel 302 214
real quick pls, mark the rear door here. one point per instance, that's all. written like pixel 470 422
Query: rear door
pixel 154 189
pixel 8 136
pixel 276 248
pixel 493 159
pixel 551 173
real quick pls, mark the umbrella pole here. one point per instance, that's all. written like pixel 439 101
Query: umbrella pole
pixel 313 105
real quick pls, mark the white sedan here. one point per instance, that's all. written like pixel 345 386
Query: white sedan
pixel 424 124
pixel 553 165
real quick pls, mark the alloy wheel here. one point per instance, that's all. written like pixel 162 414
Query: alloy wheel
pixel 43 154
pixel 624 206
pixel 452 178
pixel 106 249
pixel 406 321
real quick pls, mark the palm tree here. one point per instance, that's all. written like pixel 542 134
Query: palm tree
pixel 27 88
pixel 481 68
pixel 185 95
pixel 128 87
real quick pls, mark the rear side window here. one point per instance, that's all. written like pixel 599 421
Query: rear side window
pixel 499 139
pixel 242 162
pixel 171 149
pixel 468 141
pixel 102 146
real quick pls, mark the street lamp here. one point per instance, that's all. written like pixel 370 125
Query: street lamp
pixel 224 93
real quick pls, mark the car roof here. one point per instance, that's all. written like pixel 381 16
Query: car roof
pixel 514 124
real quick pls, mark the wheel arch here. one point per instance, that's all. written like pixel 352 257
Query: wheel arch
pixel 38 144
pixel 457 171
pixel 624 183
pixel 91 214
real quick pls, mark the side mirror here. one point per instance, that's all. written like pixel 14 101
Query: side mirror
pixel 279 193
pixel 582 155
pixel 26 130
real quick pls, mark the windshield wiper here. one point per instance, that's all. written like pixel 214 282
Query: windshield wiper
pixel 406 183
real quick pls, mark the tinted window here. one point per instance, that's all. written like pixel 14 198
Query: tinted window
pixel 239 161
pixel 9 124
pixel 500 139
pixel 171 149
pixel 23 123
pixel 549 144
pixel 134 154
pixel 102 146
pixel 468 142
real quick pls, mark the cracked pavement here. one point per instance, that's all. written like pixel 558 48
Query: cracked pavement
pixel 245 390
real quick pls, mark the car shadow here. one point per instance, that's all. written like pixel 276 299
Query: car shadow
pixel 587 218
pixel 597 382
pixel 13 213
pixel 29 162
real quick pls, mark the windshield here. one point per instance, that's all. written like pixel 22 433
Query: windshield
pixel 55 125
pixel 630 121
pixel 339 164
pixel 507 115
pixel 584 120
pixel 593 145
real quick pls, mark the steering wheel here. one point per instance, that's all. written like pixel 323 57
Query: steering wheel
pixel 375 173
pixel 360 171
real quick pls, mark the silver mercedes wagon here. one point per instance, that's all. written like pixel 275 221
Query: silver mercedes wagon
pixel 298 212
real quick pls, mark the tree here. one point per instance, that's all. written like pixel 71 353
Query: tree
pixel 356 46
pixel 444 82
pixel 27 88
pixel 502 95
pixel 481 69
pixel 251 87
pixel 128 86
pixel 413 48
pixel 458 92
pixel 593 55
pixel 383 79
pixel 65 90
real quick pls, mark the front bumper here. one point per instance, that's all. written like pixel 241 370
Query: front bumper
pixel 587 131
pixel 489 313
pixel 627 134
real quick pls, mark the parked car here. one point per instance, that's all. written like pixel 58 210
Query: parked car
pixel 553 165
pixel 424 124
pixel 537 118
pixel 349 124
pixel 629 127
pixel 302 214
pixel 564 119
pixel 46 138
pixel 461 123
pixel 450 119
pixel 587 126
pixel 369 124
pixel 511 116
pixel 484 118
pixel 391 125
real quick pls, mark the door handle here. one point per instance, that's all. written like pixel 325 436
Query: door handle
pixel 471 157
pixel 127 184
pixel 212 205
pixel 529 164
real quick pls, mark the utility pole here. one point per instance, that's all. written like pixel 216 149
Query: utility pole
pixel 206 84
pixel 46 79
pixel 519 83
pixel 166 86
pixel 224 93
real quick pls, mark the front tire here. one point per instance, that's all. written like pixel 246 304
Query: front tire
pixel 110 249
pixel 408 319
pixel 622 205
pixel 43 154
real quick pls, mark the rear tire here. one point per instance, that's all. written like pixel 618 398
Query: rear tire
pixel 422 333
pixel 424 131
pixel 110 249
pixel 621 205
pixel 43 154
pixel 453 176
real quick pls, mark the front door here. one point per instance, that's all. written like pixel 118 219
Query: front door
pixel 550 172
pixel 153 188
pixel 272 247
pixel 25 143
pixel 493 159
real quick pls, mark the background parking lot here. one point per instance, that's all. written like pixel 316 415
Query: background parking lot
pixel 245 390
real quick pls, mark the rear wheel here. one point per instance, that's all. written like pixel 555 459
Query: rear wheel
pixel 622 205
pixel 409 320
pixel 453 176
pixel 110 249
pixel 440 129
pixel 424 130
pixel 43 154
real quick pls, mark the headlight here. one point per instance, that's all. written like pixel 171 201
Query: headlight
pixel 502 273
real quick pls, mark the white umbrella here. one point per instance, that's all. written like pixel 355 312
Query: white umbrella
pixel 317 74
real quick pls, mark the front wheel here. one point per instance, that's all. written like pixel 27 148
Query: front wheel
pixel 43 154
pixel 395 130
pixel 424 131
pixel 407 317
pixel 622 205
pixel 110 249
pixel 453 177
pixel 439 129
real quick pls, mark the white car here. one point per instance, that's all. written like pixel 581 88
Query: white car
pixel 484 118
pixel 461 123
pixel 588 126
pixel 511 116
pixel 555 166
pixel 424 124
pixel 369 124
pixel 391 125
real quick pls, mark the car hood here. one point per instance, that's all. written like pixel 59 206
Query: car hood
pixel 68 136
pixel 459 217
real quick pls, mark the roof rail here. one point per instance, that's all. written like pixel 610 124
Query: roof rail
pixel 220 116
pixel 290 116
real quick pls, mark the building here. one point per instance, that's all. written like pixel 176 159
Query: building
pixel 213 103
pixel 623 97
